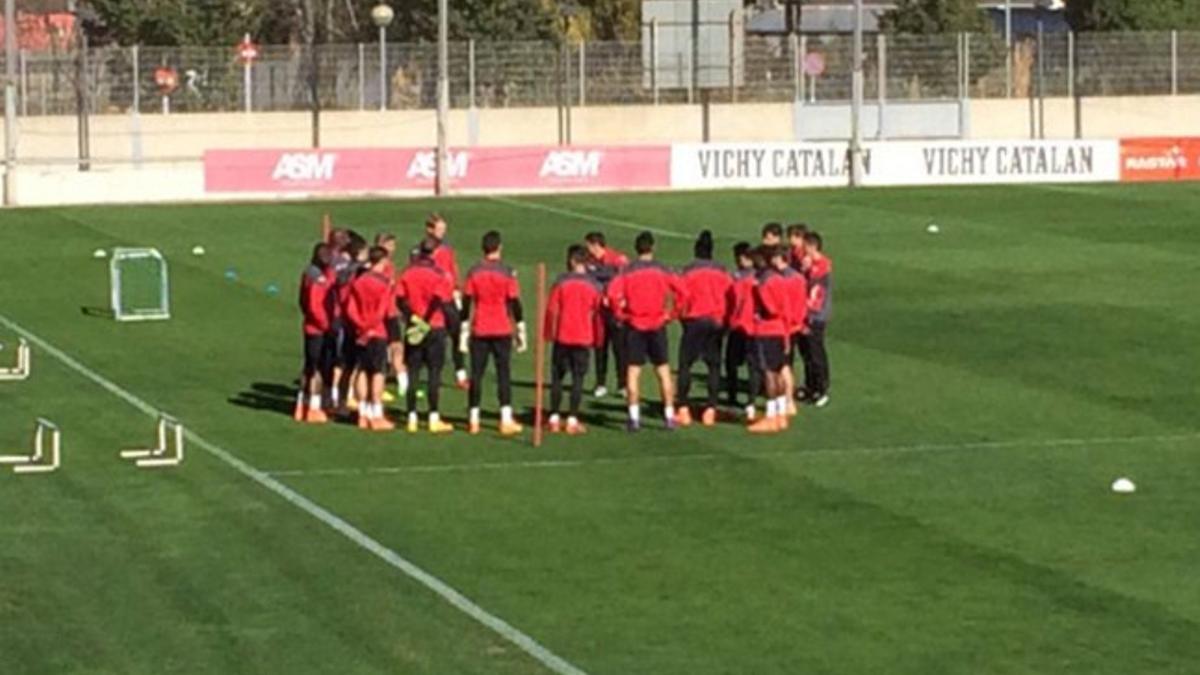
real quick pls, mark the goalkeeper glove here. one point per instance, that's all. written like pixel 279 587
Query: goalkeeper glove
pixel 521 338
pixel 418 328
pixel 464 338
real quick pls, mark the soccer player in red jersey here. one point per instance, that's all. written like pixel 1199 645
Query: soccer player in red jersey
pixel 317 302
pixel 706 285
pixel 771 335
pixel 604 264
pixel 573 326
pixel 739 348
pixel 493 321
pixel 395 335
pixel 640 297
pixel 371 299
pixel 819 270
pixel 426 296
pixel 795 237
pixel 347 267
pixel 443 256
pixel 797 285
pixel 772 234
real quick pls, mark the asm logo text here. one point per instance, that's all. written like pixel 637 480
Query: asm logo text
pixel 571 164
pixel 305 166
pixel 424 165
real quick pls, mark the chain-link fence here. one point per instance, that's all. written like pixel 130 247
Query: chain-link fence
pixel 519 74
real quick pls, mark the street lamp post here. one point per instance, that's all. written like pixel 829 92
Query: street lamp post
pixel 382 16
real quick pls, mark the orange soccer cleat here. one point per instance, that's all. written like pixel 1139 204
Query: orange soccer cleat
pixel 510 429
pixel 554 425
pixel 766 425
pixel 783 422
pixel 364 422
pixel 316 416
pixel 473 427
pixel 683 416
pixel 709 417
pixel 382 424
pixel 576 429
pixel 298 413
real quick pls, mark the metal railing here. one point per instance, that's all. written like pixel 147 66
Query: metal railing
pixel 519 74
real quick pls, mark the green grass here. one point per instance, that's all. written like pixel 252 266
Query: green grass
pixel 948 513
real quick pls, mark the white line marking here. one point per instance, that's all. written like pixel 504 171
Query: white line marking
pixel 464 604
pixel 708 456
pixel 629 225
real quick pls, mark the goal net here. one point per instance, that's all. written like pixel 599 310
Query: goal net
pixel 140 289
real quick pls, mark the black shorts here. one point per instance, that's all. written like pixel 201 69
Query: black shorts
pixel 393 330
pixel 373 356
pixel 318 352
pixel 770 353
pixel 347 349
pixel 643 345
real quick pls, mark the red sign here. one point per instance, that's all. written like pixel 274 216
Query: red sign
pixel 469 169
pixel 247 51
pixel 167 80
pixel 1160 159
pixel 814 64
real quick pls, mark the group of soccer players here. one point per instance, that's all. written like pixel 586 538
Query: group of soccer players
pixel 363 319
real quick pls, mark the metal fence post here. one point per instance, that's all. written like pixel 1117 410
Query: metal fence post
pixel 654 59
pixel 881 83
pixel 582 73
pixel 471 73
pixel 248 84
pixel 958 57
pixel 362 76
pixel 794 50
pixel 1174 63
pixel 732 58
pixel 135 119
pixel 803 53
pixel 135 60
pixel 383 97
pixel 1071 64
pixel 967 65
pixel 23 57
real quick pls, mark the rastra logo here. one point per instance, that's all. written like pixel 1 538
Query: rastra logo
pixel 572 164
pixel 1172 159
pixel 424 165
pixel 305 166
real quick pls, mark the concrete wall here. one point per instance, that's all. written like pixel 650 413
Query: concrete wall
pixel 186 136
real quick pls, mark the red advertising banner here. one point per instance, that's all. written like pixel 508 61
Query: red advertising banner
pixel 1160 159
pixel 407 169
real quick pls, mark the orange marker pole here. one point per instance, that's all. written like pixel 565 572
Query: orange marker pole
pixel 326 227
pixel 539 356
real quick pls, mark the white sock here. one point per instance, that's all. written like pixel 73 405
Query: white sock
pixel 314 401
pixel 572 422
pixel 669 412
pixel 555 419
pixel 461 375
pixel 751 413
pixel 434 418
pixel 364 410
pixel 402 383
pixel 635 413
pixel 772 408
pixel 474 415
pixel 335 396
pixel 412 418
pixel 506 414
pixel 378 411
pixel 300 397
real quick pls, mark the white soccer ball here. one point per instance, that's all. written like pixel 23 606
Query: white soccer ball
pixel 933 229
pixel 99 253
pixel 197 250
pixel 1123 486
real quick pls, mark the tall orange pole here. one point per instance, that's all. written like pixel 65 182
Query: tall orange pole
pixel 326 227
pixel 539 356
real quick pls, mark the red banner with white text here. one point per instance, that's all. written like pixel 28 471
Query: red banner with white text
pixel 1160 159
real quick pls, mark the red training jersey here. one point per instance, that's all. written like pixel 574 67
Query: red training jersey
pixel 425 287
pixel 573 311
pixel 797 285
pixel 771 306
pixel 610 263
pixel 491 285
pixel 443 256
pixel 741 301
pixel 820 290
pixel 706 287
pixel 318 302
pixel 639 296
pixel 796 257
pixel 370 298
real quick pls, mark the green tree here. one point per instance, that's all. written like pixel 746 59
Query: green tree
pixel 1133 14
pixel 925 17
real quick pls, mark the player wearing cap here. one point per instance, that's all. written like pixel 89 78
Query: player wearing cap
pixel 426 296
pixel 317 302
pixel 641 297
pixel 604 264
pixel 703 310
pixel 573 326
pixel 371 300
pixel 493 321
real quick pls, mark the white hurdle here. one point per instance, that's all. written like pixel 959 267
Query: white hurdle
pixel 36 462
pixel 169 448
pixel 23 367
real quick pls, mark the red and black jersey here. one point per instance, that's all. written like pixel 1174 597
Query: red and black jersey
pixel 640 296
pixel 741 301
pixel 820 290
pixel 443 256
pixel 491 287
pixel 573 311
pixel 796 257
pixel 797 285
pixel 771 305
pixel 605 268
pixel 370 302
pixel 424 287
pixel 706 286
pixel 318 301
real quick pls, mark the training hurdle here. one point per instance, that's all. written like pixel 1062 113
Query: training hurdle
pixel 22 369
pixel 37 461
pixel 168 451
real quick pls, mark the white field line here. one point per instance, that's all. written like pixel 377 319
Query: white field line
pixel 464 604
pixel 582 215
pixel 713 456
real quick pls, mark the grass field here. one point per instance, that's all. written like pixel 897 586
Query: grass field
pixel 950 511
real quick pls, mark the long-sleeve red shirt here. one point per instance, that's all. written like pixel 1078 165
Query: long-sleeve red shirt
pixel 573 312
pixel 443 256
pixel 797 285
pixel 370 301
pixel 491 286
pixel 771 305
pixel 425 287
pixel 318 302
pixel 640 296
pixel 741 301
pixel 706 286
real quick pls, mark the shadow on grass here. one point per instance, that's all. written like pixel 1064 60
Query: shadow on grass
pixel 96 312
pixel 267 396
